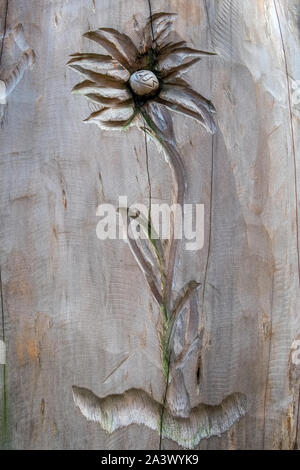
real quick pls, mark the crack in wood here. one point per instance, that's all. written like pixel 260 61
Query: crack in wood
pixel 295 447
pixel 292 136
pixel 3 412
pixel 3 34
pixel 4 30
pixel 151 22
pixel 210 224
pixel 297 224
pixel 2 306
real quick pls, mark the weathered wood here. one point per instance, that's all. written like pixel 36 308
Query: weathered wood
pixel 76 310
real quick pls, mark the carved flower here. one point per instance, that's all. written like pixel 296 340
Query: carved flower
pixel 131 78
pixel 145 81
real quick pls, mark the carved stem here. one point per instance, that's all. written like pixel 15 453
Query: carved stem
pixel 177 197
pixel 178 188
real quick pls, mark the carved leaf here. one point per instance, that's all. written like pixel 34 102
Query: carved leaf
pixel 141 259
pixel 184 296
pixel 119 45
pixel 137 407
pixel 152 237
pixel 178 398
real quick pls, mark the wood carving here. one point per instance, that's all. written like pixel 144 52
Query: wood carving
pixel 138 86
pixel 9 82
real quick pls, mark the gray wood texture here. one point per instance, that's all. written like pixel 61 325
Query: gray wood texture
pixel 76 310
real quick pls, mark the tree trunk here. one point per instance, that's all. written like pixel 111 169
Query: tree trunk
pixel 76 310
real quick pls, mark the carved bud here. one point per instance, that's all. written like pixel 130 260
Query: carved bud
pixel 143 82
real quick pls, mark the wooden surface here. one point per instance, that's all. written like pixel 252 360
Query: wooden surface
pixel 76 310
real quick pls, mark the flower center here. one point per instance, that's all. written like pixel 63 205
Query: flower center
pixel 143 82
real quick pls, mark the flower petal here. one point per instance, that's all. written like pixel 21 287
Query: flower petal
pixel 189 103
pixel 110 89
pixel 170 46
pixel 159 20
pixel 119 45
pixel 178 57
pixel 111 102
pixel 100 63
pixel 180 84
pixel 99 78
pixel 160 37
pixel 108 118
pixel 160 25
pixel 178 70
